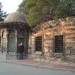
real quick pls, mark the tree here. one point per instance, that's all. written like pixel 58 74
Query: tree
pixel 64 9
pixel 38 11
pixel 35 10
pixel 2 14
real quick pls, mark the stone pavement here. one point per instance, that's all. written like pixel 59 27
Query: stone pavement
pixel 52 63
pixel 45 64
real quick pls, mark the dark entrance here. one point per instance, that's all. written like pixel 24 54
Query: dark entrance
pixel 38 43
pixel 58 44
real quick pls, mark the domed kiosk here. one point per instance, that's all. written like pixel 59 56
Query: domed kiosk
pixel 13 31
pixel 15 17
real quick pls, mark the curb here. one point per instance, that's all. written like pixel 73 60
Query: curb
pixel 44 66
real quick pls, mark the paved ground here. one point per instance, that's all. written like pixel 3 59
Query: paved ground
pixel 16 69
pixel 41 63
pixel 49 65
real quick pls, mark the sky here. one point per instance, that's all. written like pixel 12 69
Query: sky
pixel 10 6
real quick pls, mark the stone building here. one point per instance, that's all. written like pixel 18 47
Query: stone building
pixel 14 30
pixel 54 38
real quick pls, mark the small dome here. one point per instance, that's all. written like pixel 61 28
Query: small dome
pixel 15 17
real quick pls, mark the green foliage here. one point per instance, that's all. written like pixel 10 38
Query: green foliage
pixel 2 14
pixel 61 11
pixel 42 10
pixel 64 9
pixel 35 10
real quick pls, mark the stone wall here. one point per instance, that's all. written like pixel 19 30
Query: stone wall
pixel 3 39
pixel 49 30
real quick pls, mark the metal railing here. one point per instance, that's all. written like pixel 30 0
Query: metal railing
pixel 4 57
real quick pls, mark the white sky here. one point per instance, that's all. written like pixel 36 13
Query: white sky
pixel 10 5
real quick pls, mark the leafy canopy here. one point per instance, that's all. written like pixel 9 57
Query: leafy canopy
pixel 38 11
pixel 2 14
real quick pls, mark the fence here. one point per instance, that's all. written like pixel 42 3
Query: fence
pixel 4 57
